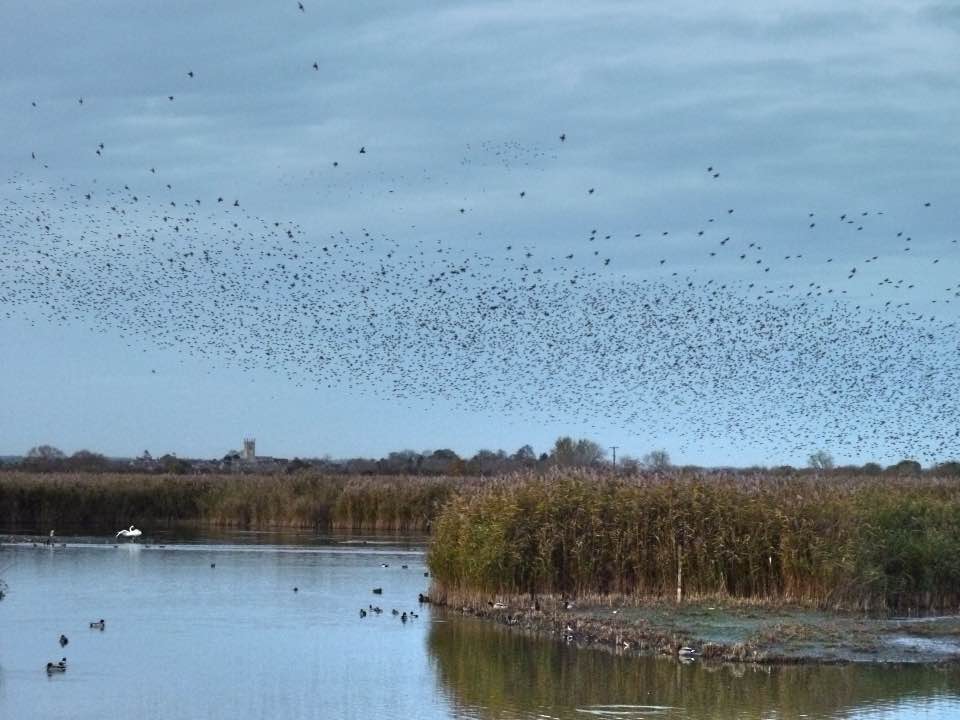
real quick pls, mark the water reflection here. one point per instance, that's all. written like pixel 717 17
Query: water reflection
pixel 491 672
pixel 210 627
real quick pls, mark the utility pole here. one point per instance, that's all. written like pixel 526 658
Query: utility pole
pixel 614 448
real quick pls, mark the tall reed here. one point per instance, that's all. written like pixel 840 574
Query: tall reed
pixel 81 501
pixel 828 542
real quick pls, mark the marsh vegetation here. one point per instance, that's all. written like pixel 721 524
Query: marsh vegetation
pixel 825 541
pixel 303 500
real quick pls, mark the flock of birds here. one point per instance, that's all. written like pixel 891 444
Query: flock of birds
pixel 698 331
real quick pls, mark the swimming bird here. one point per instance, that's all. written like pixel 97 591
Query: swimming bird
pixel 63 640
pixel 132 532
pixel 98 625
pixel 57 667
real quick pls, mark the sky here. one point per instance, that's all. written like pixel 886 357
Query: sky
pixel 799 108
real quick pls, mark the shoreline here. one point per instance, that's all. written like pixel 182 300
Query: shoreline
pixel 738 633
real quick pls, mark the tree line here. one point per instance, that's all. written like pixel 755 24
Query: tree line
pixel 566 453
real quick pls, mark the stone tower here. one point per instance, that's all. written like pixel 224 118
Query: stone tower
pixel 249 449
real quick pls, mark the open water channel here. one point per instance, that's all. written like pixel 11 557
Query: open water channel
pixel 185 639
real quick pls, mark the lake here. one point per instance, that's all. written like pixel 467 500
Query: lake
pixel 187 640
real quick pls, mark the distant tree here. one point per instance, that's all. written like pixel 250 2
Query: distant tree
pixel 906 468
pixel 525 456
pixel 657 460
pixel 564 451
pixel 588 453
pixel 362 466
pixel 628 465
pixel 951 468
pixel 86 461
pixel 871 468
pixel 445 455
pixel 170 463
pixel 820 460
pixel 401 462
pixel 580 453
pixel 439 462
pixel 488 462
pixel 45 452
pixel 297 465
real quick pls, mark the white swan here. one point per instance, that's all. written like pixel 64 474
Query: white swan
pixel 131 533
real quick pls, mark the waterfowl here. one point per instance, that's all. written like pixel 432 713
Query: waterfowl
pixel 687 652
pixel 363 613
pixel 63 640
pixel 98 625
pixel 56 667
pixel 131 532
pixel 378 591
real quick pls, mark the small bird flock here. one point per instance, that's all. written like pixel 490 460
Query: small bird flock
pixel 697 330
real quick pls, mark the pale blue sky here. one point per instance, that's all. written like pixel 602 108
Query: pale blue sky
pixel 801 106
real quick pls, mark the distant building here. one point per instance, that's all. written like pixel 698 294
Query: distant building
pixel 247 460
pixel 249 452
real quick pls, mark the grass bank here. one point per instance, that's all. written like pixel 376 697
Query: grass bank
pixel 106 501
pixel 729 631
pixel 856 544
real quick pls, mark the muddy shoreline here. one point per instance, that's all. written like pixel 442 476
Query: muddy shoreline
pixel 729 632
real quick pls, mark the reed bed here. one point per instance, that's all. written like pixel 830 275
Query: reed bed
pixel 827 542
pixel 87 502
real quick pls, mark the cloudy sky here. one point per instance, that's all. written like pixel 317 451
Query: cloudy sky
pixel 801 107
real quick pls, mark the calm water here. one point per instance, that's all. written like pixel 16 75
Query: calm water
pixel 184 640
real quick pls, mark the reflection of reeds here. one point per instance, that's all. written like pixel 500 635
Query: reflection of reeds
pixel 97 501
pixel 489 672
pixel 859 542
